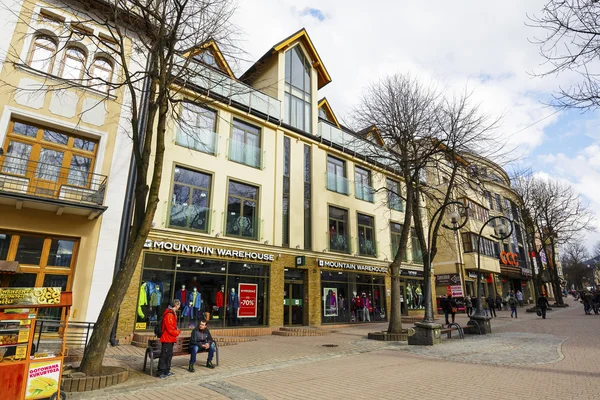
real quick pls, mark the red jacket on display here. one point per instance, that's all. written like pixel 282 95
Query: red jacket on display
pixel 169 327
pixel 219 299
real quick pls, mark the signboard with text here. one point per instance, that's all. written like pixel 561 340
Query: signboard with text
pixel 248 300
pixel 447 279
pixel 42 380
pixel 29 296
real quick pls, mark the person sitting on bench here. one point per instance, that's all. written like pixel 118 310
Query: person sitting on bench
pixel 201 340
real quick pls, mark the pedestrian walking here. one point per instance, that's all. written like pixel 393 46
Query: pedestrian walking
pixel 201 340
pixel 588 299
pixel 484 305
pixel 520 299
pixel 492 305
pixel 542 303
pixel 451 307
pixel 512 302
pixel 498 302
pixel 468 305
pixel 168 338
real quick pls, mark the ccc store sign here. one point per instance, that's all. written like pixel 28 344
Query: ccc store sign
pixel 508 258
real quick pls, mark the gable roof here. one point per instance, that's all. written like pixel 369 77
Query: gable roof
pixel 324 104
pixel 370 133
pixel 212 47
pixel 302 37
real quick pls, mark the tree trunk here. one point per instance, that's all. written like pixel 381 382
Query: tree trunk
pixel 395 314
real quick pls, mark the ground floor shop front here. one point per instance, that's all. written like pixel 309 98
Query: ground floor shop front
pixel 237 284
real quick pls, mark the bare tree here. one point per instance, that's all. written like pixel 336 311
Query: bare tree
pixel 573 259
pixel 154 45
pixel 422 131
pixel 570 43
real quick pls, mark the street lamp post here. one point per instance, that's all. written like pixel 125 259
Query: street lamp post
pixel 478 317
pixel 427 332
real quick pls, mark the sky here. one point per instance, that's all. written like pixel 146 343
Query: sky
pixel 482 46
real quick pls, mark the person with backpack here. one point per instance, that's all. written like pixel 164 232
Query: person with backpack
pixel 491 303
pixel 452 308
pixel 512 302
pixel 166 330
pixel 201 340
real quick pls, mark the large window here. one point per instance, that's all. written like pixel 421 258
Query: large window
pixel 73 64
pixel 338 230
pixel 47 157
pixel 242 211
pixel 396 232
pixel 307 198
pixel 417 254
pixel 245 144
pixel 488 247
pixel 212 287
pixel 197 129
pixel 190 201
pixel 476 211
pixel 297 90
pixel 43 52
pixel 393 195
pixel 285 239
pixel 362 184
pixel 336 175
pixel 352 297
pixel 101 72
pixel 367 246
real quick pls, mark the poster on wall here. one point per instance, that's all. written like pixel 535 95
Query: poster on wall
pixel 248 296
pixel 330 306
pixel 42 380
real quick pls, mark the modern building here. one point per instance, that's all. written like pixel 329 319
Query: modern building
pixel 269 212
pixel 64 154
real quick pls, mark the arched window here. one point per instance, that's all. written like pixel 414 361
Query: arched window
pixel 42 54
pixel 101 71
pixel 73 64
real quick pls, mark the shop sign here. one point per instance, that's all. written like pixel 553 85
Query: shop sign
pixel 300 261
pixel 447 279
pixel 525 271
pixel 352 267
pixel 208 251
pixel 248 296
pixel 29 296
pixel 42 380
pixel 330 306
pixel 140 325
pixel 410 272
pixel 473 275
pixel 454 290
pixel 509 258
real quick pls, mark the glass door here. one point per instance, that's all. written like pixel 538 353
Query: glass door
pixel 293 298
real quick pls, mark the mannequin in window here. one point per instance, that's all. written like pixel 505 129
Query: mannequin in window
pixel 193 283
pixel 342 304
pixel 419 293
pixel 196 299
pixel 186 315
pixel 355 307
pixel 181 295
pixel 154 287
pixel 365 304
pixel 219 300
pixel 409 296
pixel 233 304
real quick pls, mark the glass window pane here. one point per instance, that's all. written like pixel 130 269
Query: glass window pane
pixel 179 206
pixel 288 66
pixel 61 253
pixel 190 177
pixel 29 250
pixel 159 261
pixel 4 245
pixel 55 280
pixel 22 280
pixel 247 269
pixel 157 289
pixel 242 190
pixel 248 222
pixel 80 170
pixel 84 144
pixel 43 53
pixel 49 165
pixel 73 64
pixel 17 158
pixel 234 208
pixel 297 68
pixel 55 137
pixel 198 212
pixel 25 130
pixel 202 266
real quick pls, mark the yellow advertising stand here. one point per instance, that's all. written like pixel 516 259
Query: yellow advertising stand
pixel 26 372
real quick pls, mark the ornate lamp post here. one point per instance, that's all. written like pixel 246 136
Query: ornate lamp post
pixel 501 232
pixel 427 332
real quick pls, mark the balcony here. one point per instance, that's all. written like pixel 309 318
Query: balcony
pixel 35 185
pixel 364 192
pixel 337 183
pixel 367 248
pixel 190 216
pixel 199 139
pixel 339 243
pixel 246 154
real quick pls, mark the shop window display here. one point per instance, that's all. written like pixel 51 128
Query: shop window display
pixel 351 297
pixel 228 294
pixel 414 294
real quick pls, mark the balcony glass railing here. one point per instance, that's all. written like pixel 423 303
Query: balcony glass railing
pixel 337 183
pixel 190 216
pixel 244 153
pixel 199 139
pixel 367 248
pixel 339 243
pixel 364 192
pixel 49 181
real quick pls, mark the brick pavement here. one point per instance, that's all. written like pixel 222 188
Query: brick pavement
pixel 563 362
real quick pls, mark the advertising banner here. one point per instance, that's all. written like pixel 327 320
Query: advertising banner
pixel 447 279
pixel 456 291
pixel 330 306
pixel 42 380
pixel 248 300
pixel 29 296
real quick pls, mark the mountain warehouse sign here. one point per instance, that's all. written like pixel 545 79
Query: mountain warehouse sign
pixel 207 251
pixel 354 267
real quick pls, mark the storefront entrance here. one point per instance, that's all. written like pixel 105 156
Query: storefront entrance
pixel 293 297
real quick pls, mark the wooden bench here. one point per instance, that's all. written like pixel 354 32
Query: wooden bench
pixel 180 348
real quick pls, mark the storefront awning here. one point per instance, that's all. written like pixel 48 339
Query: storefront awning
pixel 9 267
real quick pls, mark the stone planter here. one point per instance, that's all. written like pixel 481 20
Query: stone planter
pixel 389 337
pixel 110 376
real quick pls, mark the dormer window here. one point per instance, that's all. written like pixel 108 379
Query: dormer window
pixel 206 57
pixel 297 90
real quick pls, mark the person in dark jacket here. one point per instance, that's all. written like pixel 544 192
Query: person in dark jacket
pixel 168 339
pixel 491 302
pixel 201 340
pixel 542 303
pixel 444 307
pixel 452 306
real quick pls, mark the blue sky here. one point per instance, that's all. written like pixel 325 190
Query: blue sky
pixel 480 45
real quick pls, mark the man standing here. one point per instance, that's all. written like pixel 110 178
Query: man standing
pixel 167 339
pixel 512 302
pixel 542 303
pixel 468 305
pixel 201 340
pixel 491 303
pixel 519 296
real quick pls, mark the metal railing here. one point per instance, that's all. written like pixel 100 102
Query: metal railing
pixel 50 181
pixel 49 334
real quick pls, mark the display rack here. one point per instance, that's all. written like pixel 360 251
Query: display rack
pixel 27 372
